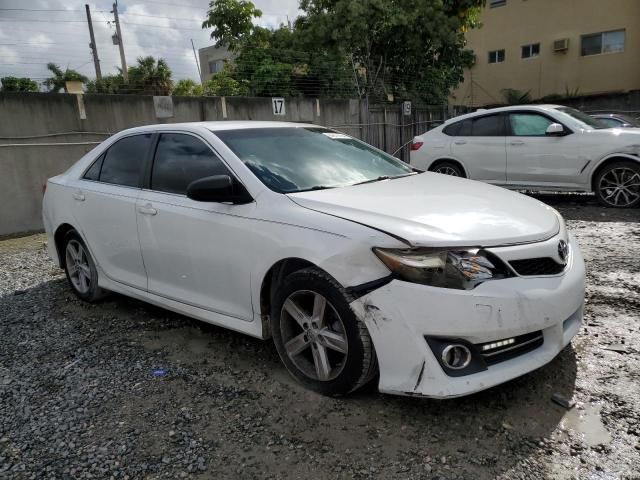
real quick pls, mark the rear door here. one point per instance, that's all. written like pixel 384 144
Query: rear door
pixel 480 144
pixel 538 160
pixel 194 252
pixel 104 207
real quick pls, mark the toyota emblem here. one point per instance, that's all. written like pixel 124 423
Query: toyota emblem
pixel 563 250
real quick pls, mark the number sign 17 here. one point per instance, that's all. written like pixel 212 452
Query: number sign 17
pixel 278 105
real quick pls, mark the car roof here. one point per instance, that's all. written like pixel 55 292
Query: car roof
pixel 219 125
pixel 487 111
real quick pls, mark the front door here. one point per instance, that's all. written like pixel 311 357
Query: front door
pixel 538 160
pixel 194 252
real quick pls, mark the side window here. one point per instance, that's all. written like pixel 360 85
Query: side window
pixel 93 172
pixel 124 161
pixel 452 130
pixel 489 126
pixel 528 124
pixel 180 159
pixel 465 128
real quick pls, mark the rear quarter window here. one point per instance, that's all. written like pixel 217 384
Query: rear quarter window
pixel 452 130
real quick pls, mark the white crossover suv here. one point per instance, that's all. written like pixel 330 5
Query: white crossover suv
pixel 540 147
pixel 353 262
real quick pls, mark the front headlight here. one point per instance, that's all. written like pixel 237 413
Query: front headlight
pixel 455 268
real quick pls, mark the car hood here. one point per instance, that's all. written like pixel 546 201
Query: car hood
pixel 431 209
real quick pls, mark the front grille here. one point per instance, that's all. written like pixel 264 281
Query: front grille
pixel 509 348
pixel 529 267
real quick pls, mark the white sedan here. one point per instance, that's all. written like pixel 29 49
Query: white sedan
pixel 539 147
pixel 353 262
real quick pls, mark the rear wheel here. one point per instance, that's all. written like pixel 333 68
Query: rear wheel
pixel 618 185
pixel 80 268
pixel 448 168
pixel 317 335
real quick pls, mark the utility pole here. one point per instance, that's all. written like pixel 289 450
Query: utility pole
pixel 197 63
pixel 94 49
pixel 123 61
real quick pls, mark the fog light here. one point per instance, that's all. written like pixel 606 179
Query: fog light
pixel 456 356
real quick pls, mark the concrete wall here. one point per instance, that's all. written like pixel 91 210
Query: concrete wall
pixel 519 23
pixel 41 134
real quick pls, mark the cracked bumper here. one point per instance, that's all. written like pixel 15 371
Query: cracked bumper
pixel 400 314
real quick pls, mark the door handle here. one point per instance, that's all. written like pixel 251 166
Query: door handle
pixel 517 142
pixel 460 142
pixel 79 196
pixel 147 210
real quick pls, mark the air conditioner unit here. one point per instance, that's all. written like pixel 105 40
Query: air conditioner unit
pixel 561 45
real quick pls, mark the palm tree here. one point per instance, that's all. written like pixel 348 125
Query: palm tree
pixel 60 78
pixel 150 77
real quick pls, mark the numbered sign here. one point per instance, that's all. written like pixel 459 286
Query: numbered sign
pixel 278 105
pixel 406 108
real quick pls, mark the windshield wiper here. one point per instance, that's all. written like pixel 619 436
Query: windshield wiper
pixel 315 187
pixel 385 177
pixel 381 177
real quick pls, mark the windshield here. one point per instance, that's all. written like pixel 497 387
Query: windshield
pixel 620 119
pixel 295 159
pixel 588 121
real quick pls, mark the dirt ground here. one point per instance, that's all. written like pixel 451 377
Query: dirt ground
pixel 122 389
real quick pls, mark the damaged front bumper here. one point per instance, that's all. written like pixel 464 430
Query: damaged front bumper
pixel 405 321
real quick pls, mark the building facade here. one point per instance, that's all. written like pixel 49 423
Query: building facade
pixel 552 47
pixel 212 60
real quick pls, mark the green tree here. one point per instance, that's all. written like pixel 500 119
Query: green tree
pixel 59 79
pixel 515 97
pixel 231 21
pixel 403 47
pixel 149 77
pixel 107 84
pixel 224 84
pixel 18 84
pixel 187 87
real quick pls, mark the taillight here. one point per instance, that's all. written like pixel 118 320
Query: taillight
pixel 416 145
pixel 44 188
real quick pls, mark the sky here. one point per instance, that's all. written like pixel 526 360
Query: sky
pixel 35 32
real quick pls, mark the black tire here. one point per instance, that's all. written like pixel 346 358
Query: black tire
pixel 608 195
pixel 93 292
pixel 358 366
pixel 448 168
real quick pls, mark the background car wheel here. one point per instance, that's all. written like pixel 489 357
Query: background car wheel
pixel 618 185
pixel 317 335
pixel 80 268
pixel 448 168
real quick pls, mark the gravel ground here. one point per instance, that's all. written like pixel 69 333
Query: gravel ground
pixel 79 399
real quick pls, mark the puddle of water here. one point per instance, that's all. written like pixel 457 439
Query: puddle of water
pixel 587 424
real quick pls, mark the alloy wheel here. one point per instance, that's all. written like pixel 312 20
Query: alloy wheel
pixel 78 267
pixel 313 335
pixel 447 170
pixel 620 186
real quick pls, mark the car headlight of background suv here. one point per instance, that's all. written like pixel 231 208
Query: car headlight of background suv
pixel 462 269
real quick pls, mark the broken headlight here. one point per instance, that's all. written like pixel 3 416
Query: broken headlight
pixel 460 269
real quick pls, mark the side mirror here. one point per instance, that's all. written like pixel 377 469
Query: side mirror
pixel 219 188
pixel 555 130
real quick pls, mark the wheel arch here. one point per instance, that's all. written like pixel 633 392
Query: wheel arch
pixel 58 237
pixel 272 278
pixel 602 163
pixel 440 160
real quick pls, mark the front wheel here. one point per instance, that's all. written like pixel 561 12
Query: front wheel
pixel 618 185
pixel 317 335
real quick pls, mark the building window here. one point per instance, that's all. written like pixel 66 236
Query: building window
pixel 532 50
pixel 603 42
pixel 497 3
pixel 496 56
pixel 216 66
